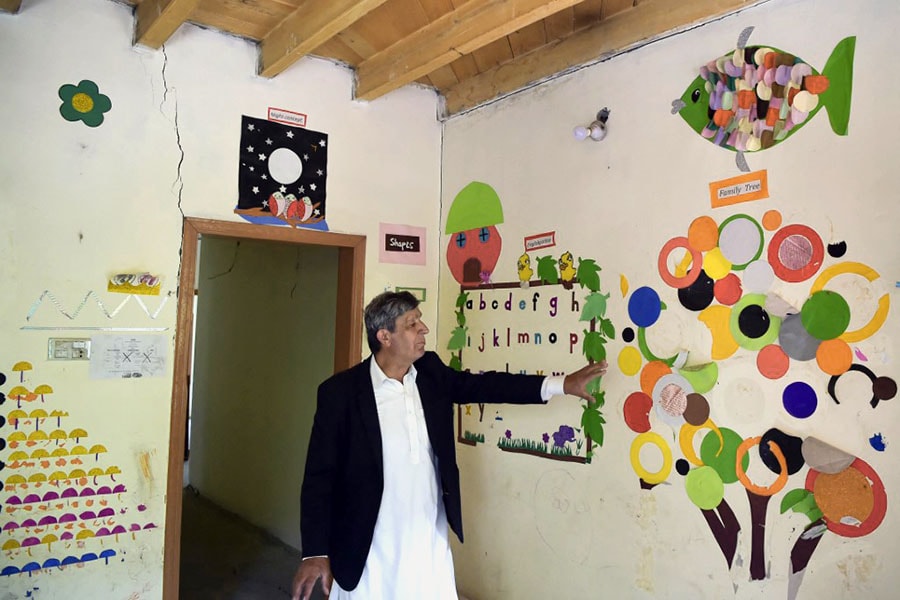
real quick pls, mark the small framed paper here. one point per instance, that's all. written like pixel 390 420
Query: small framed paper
pixel 418 292
pixel 403 244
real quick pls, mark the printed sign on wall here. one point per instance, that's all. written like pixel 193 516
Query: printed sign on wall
pixel 402 244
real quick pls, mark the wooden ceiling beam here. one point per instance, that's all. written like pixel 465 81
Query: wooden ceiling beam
pixel 307 28
pixel 10 6
pixel 157 20
pixel 647 20
pixel 467 28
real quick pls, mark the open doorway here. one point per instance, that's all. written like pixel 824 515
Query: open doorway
pixel 226 323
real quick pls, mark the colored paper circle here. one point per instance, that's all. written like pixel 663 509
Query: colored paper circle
pixel 715 264
pixel 780 481
pixel 799 399
pixel 832 492
pixel 834 357
pixel 771 220
pixel 728 290
pixel 699 294
pixel 644 306
pixel 686 439
pixel 670 398
pixel 719 451
pixel 628 335
pixel 717 319
pixel 795 340
pixel 772 362
pixel 791 448
pixel 825 315
pixel 629 361
pixel 884 388
pixel 696 263
pixel 657 440
pixel 704 487
pixel 796 253
pixel 647 353
pixel 637 411
pixel 697 410
pixel 703 233
pixel 740 240
pixel 750 324
pixel 701 377
pixel 758 277
pixel 868 273
pixel 651 373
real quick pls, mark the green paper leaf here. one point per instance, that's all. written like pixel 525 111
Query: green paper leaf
pixel 593 347
pixel 457 339
pixel 593 386
pixel 793 497
pixel 594 306
pixel 546 270
pixel 461 319
pixel 455 363
pixel 606 327
pixel 592 423
pixel 588 274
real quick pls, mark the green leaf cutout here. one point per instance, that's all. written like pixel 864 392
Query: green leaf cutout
pixel 457 339
pixel 594 306
pixel 593 347
pixel 588 274
pixel 546 270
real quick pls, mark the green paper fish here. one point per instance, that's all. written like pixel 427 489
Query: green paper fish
pixel 754 97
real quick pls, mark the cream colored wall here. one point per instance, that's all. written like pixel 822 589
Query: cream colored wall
pixel 264 341
pixel 80 204
pixel 537 528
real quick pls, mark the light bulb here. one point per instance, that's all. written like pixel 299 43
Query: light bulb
pixel 581 133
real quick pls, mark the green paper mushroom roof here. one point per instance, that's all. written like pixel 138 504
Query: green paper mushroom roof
pixel 476 205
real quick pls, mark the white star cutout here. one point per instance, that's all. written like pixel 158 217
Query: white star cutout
pixel 266 203
pixel 262 157
pixel 250 127
pixel 312 186
pixel 249 148
pixel 290 134
pixel 282 189
pixel 265 177
pixel 301 189
pixel 255 190
pixel 316 212
pixel 268 141
pixel 319 172
pixel 322 143
pixel 306 157
pixel 252 169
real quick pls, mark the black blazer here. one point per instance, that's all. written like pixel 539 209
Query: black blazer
pixel 344 480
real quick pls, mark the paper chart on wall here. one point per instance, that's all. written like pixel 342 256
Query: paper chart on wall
pixel 128 356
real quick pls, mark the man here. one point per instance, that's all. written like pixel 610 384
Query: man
pixel 381 483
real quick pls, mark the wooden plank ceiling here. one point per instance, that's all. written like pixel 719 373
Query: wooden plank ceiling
pixel 470 51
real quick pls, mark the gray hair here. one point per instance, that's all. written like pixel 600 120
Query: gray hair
pixel 382 312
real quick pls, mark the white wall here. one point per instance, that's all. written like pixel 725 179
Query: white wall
pixel 80 204
pixel 536 528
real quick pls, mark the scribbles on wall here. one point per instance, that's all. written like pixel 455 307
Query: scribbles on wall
pixel 475 243
pixel 509 303
pixel 144 284
pixel 282 174
pixel 731 274
pixel 62 502
pixel 83 102
pixel 47 294
pixel 743 188
pixel 754 97
pixel 401 244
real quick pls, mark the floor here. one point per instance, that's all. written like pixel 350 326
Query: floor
pixel 224 557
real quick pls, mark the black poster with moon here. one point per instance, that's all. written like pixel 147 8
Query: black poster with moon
pixel 282 174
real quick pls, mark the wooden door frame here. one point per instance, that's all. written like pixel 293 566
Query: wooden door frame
pixel 348 337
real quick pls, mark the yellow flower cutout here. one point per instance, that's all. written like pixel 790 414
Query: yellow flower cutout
pixel 83 102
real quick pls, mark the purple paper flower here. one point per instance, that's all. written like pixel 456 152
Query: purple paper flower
pixel 546 438
pixel 508 434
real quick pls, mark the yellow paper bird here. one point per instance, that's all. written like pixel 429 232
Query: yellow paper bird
pixel 525 272
pixel 566 269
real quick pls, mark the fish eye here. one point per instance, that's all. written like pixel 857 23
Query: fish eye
pixel 695 95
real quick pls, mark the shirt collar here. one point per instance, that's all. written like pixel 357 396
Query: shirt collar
pixel 379 378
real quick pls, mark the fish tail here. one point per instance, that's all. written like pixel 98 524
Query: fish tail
pixel 839 71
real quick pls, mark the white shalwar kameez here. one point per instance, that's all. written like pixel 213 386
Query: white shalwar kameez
pixel 410 554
